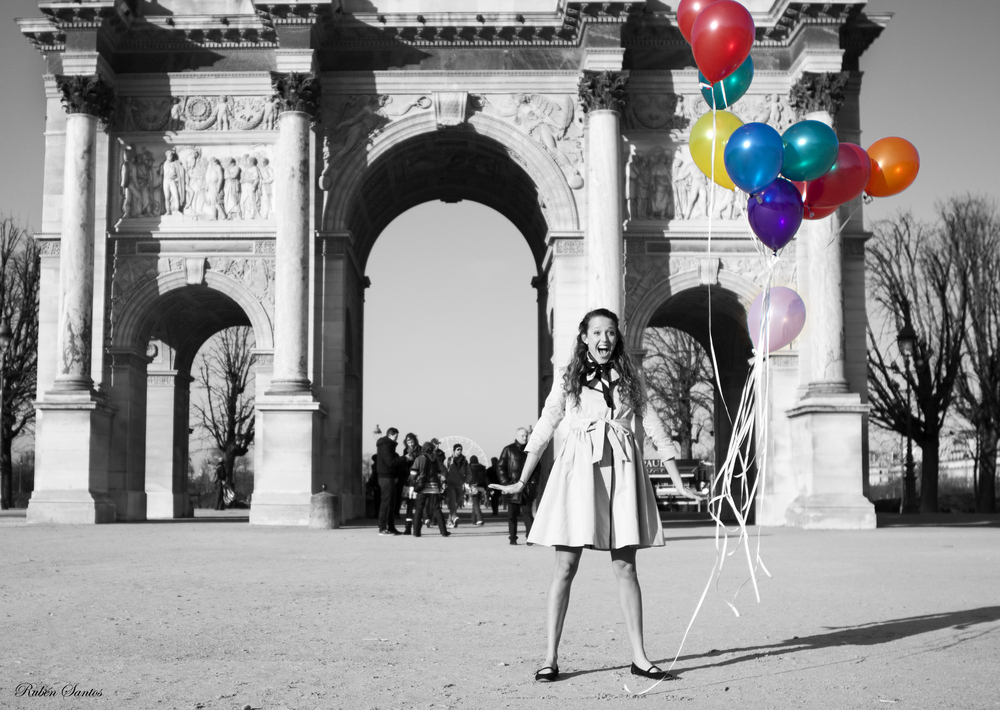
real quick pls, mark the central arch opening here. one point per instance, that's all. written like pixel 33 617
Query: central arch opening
pixel 451 327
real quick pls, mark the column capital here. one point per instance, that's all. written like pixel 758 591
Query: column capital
pixel 296 92
pixel 87 94
pixel 603 90
pixel 818 92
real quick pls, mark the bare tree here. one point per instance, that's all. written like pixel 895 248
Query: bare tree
pixel 915 280
pixel 680 385
pixel 226 415
pixel 971 229
pixel 19 278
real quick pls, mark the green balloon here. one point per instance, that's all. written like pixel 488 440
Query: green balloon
pixel 810 150
pixel 735 85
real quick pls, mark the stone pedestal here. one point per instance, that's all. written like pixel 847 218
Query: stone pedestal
pixel 167 403
pixel 288 432
pixel 605 184
pixel 71 461
pixel 826 437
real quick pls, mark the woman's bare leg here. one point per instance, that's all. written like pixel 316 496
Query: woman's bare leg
pixel 630 598
pixel 567 563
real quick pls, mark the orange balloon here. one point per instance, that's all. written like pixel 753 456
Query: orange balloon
pixel 895 163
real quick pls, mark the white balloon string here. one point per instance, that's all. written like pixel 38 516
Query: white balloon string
pixel 747 443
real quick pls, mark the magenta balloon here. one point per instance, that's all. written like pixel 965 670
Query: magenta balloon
pixel 788 317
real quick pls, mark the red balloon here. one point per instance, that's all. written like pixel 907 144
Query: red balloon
pixel 687 13
pixel 721 38
pixel 809 212
pixel 843 182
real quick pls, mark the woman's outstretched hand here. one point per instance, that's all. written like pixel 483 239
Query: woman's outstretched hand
pixel 692 494
pixel 513 488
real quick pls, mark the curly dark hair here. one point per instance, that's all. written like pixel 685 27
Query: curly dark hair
pixel 630 387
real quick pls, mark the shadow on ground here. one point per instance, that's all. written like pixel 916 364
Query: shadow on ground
pixel 864 635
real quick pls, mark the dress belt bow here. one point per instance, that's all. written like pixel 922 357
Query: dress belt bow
pixel 616 431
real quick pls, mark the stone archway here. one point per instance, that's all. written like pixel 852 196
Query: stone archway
pixel 414 161
pixel 155 336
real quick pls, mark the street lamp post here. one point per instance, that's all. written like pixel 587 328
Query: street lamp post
pixel 377 434
pixel 6 336
pixel 907 341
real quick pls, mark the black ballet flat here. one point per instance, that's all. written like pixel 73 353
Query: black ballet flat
pixel 654 672
pixel 551 675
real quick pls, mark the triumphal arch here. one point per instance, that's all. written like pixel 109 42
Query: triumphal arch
pixel 212 163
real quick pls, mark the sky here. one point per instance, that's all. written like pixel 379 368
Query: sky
pixel 929 78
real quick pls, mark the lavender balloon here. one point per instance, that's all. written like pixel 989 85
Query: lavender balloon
pixel 775 213
pixel 788 317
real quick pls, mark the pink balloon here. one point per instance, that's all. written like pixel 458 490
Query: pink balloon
pixel 788 317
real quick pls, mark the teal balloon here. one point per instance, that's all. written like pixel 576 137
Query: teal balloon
pixel 753 156
pixel 810 150
pixel 735 85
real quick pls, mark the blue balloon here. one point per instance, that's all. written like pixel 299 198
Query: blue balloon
pixel 733 86
pixel 775 213
pixel 753 156
pixel 810 150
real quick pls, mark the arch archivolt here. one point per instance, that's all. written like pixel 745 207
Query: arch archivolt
pixel 668 286
pixel 554 193
pixel 218 301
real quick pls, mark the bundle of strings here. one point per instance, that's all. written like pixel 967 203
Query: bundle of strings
pixel 748 445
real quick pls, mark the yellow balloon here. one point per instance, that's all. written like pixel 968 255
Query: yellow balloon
pixel 700 144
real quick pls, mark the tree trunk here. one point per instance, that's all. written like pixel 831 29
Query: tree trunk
pixel 929 476
pixel 986 496
pixel 6 472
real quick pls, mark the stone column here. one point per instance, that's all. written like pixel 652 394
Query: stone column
pixel 73 429
pixel 289 436
pixel 603 96
pixel 827 422
pixel 299 96
pixel 86 99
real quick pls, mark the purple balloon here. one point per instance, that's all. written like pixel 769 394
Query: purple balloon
pixel 775 213
pixel 788 317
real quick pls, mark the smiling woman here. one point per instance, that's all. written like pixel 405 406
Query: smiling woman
pixel 451 326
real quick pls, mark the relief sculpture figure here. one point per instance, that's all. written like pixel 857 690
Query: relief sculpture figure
pixel 231 190
pixel 266 186
pixel 127 183
pixel 173 184
pixel 250 189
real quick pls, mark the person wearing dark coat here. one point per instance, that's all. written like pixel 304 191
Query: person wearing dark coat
pixel 411 449
pixel 475 484
pixel 493 477
pixel 509 467
pixel 385 465
pixel 458 472
pixel 221 479
pixel 428 478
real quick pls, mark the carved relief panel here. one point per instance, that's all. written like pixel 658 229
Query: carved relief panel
pixel 159 184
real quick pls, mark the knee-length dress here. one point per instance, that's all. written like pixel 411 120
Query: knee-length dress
pixel 598 493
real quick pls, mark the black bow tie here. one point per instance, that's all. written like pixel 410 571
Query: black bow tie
pixel 598 377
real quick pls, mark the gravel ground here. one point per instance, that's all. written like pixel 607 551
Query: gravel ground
pixel 213 613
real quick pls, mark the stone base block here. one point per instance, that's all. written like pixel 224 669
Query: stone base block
pixel 72 507
pixel 827 450
pixel 288 433
pixel 831 512
pixel 162 505
pixel 72 444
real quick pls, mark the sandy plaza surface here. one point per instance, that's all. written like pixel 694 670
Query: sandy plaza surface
pixel 213 613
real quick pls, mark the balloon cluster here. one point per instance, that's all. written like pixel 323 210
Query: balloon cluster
pixel 803 173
